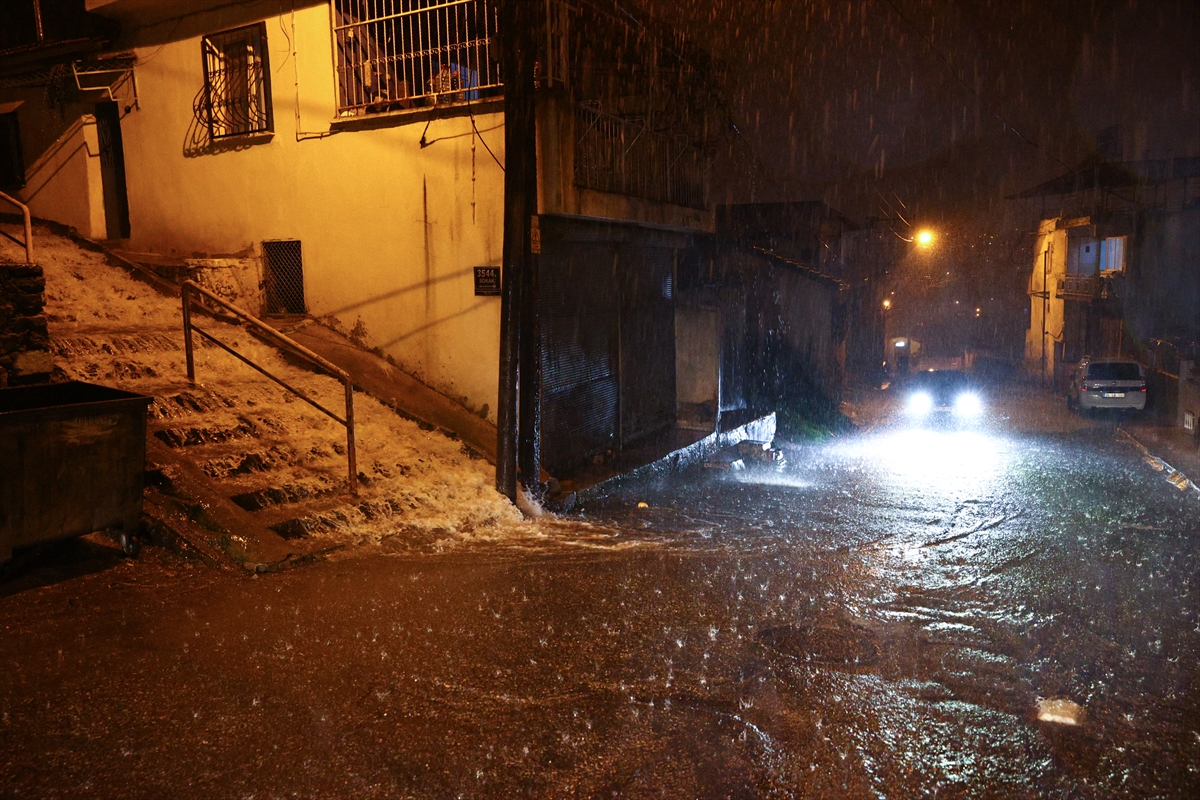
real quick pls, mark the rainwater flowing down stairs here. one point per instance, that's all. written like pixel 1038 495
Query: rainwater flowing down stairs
pixel 236 462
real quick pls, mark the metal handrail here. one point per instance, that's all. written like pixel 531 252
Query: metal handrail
pixel 28 225
pixel 279 340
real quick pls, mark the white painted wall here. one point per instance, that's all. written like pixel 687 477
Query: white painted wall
pixel 390 230
pixel 1053 241
pixel 63 183
pixel 697 355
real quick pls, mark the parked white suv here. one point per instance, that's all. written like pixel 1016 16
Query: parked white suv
pixel 1107 383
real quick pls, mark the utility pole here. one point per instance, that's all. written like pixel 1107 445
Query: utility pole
pixel 519 413
pixel 1045 305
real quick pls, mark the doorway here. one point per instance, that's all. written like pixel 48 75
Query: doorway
pixel 112 170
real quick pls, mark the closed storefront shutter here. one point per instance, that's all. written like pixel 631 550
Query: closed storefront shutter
pixel 579 352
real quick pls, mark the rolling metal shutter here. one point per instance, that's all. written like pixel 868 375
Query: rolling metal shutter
pixel 579 352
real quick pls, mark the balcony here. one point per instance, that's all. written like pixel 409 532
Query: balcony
pixel 599 165
pixel 1086 288
pixel 622 156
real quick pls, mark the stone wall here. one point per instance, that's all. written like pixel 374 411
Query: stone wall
pixel 25 355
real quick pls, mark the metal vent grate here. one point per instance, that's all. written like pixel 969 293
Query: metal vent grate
pixel 283 273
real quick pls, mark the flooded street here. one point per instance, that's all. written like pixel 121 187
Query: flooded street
pixel 884 616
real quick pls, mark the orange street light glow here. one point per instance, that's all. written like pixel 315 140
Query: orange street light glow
pixel 925 238
pixel 887 303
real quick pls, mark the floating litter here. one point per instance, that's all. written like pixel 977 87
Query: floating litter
pixel 643 504
pixel 1063 712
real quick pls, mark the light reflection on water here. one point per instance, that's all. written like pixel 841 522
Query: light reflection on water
pixel 958 460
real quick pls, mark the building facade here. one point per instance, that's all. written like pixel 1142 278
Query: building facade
pixel 344 159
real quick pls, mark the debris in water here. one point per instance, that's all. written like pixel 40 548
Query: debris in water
pixel 731 466
pixel 529 504
pixel 1064 712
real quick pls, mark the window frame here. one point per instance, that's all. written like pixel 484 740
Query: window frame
pixel 214 56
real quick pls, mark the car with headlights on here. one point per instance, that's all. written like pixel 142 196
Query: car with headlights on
pixel 943 395
pixel 1107 383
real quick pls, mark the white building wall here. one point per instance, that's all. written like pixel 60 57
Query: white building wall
pixel 63 184
pixel 1047 314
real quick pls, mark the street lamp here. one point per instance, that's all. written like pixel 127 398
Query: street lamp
pixel 925 238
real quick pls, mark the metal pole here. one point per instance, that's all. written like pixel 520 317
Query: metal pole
pixel 28 234
pixel 510 296
pixel 350 453
pixel 1045 303
pixel 27 219
pixel 529 439
pixel 187 335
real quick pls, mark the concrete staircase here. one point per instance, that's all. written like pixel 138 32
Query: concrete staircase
pixel 240 468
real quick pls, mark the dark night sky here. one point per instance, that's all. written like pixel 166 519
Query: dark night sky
pixel 838 98
pixel 943 107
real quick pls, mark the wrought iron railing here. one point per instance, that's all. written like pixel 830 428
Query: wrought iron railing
pixel 28 225
pixel 237 82
pixel 191 288
pixel 623 156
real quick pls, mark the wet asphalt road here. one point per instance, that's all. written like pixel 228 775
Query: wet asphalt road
pixel 880 618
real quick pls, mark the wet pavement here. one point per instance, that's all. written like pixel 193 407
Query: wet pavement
pixel 881 617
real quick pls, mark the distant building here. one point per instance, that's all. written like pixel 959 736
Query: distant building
pixel 1116 266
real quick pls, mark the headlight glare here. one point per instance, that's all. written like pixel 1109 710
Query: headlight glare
pixel 920 403
pixel 968 404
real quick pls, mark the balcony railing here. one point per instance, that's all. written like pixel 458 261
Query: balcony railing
pixel 623 156
pixel 1076 287
pixel 1088 287
pixel 397 54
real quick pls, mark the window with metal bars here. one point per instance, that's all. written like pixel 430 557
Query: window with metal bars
pixel 237 82
pixel 396 54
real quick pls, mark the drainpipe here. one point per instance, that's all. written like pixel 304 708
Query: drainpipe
pixel 37 21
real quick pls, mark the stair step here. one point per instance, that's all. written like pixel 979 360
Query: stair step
pixel 185 404
pixel 288 493
pixel 200 435
pixel 249 463
pixel 80 346
pixel 343 515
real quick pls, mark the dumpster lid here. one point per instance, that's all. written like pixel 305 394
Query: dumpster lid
pixel 51 395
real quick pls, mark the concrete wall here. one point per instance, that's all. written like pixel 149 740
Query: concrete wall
pixel 1051 240
pixel 791 317
pixel 1188 407
pixel 1164 284
pixel 63 181
pixel 697 365
pixel 390 230
pixel 807 309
